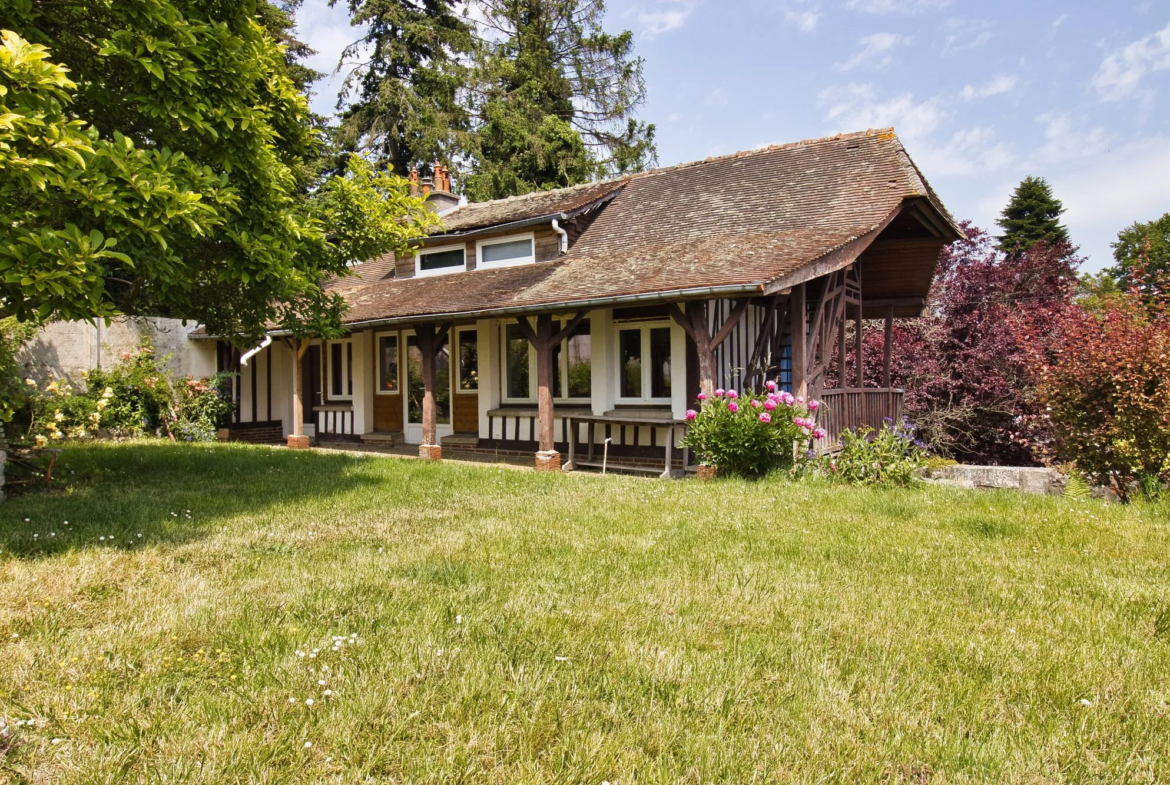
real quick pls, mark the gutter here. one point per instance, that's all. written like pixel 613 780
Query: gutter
pixel 248 355
pixel 572 305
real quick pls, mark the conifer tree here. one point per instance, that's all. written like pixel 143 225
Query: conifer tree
pixel 407 109
pixel 1032 215
pixel 553 99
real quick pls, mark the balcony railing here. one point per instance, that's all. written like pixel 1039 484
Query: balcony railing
pixel 853 408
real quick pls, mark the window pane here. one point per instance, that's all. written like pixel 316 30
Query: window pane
pixel 440 260
pixel 335 369
pixel 660 362
pixel 580 363
pixel 415 388
pixel 388 363
pixel 630 342
pixel 497 253
pixel 468 360
pixel 516 366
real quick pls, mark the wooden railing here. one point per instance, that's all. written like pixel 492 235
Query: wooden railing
pixel 853 408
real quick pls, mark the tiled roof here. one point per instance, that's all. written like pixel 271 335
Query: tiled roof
pixel 738 221
pixel 478 215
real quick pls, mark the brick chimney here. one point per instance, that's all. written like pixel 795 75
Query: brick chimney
pixel 440 199
pixel 414 182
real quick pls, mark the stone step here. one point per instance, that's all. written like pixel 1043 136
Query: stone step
pixel 382 438
pixel 460 440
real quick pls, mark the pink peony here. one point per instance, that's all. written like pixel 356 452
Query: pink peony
pixel 732 394
pixel 771 386
pixel 733 407
pixel 800 399
pixel 719 393
pixel 770 404
pixel 765 417
pixel 755 404
pixel 692 414
pixel 787 399
pixel 802 422
pixel 819 433
pixel 702 396
pixel 813 406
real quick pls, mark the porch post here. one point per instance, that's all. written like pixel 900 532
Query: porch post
pixel 857 336
pixel 297 439
pixel 799 332
pixel 888 347
pixel 430 341
pixel 544 386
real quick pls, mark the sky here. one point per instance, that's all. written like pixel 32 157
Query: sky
pixel 981 93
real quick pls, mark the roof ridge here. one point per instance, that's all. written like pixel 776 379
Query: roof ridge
pixel 535 194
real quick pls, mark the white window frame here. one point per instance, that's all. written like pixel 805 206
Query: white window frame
pixel 419 272
pixel 512 238
pixel 533 384
pixel 378 362
pixel 346 371
pixel 456 356
pixel 645 327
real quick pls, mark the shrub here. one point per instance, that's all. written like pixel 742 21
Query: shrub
pixel 891 456
pixel 750 435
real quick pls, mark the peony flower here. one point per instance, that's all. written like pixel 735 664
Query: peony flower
pixel 755 404
pixel 691 414
pixel 813 406
pixel 765 417
pixel 787 399
pixel 732 394
pixel 702 396
pixel 819 433
pixel 770 404
pixel 733 407
pixel 771 386
pixel 719 393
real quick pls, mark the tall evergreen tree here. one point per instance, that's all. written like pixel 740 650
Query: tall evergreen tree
pixel 1032 215
pixel 553 99
pixel 407 109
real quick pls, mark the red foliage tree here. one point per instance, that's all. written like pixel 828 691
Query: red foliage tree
pixel 969 365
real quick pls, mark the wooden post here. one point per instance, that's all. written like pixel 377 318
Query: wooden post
pixel 430 343
pixel 857 336
pixel 799 332
pixel 888 347
pixel 694 322
pixel 842 381
pixel 297 439
pixel 544 340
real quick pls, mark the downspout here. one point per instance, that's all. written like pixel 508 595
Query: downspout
pixel 556 227
pixel 248 355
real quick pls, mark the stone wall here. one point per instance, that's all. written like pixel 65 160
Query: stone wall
pixel 64 349
pixel 1017 478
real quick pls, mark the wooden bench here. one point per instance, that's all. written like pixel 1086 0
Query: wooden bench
pixel 673 427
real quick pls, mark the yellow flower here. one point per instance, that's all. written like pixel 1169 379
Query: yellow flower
pixel 58 416
pixel 30 383
pixel 58 435
pixel 41 441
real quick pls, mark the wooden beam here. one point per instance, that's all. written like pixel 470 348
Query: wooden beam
pixel 568 328
pixel 888 347
pixel 732 319
pixel 682 319
pixel 799 331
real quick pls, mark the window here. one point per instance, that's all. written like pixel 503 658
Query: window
pixel 387 363
pixel 507 252
pixel 341 370
pixel 572 363
pixel 468 361
pixel 644 363
pixel 439 261
pixel 416 388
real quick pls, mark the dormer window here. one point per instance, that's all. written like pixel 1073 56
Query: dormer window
pixel 507 251
pixel 440 261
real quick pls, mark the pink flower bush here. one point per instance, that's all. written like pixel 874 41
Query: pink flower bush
pixel 813 406
pixel 732 394
pixel 765 417
pixel 719 393
pixel 819 433
pixel 702 396
pixel 787 399
pixel 771 386
pixel 756 403
pixel 803 422
pixel 691 414
pixel 770 404
pixel 733 407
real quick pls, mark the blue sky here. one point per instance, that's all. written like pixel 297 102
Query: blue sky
pixel 982 93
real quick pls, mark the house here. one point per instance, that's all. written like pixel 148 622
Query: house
pixel 599 312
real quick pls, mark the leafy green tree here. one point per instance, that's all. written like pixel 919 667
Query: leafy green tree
pixel 1031 216
pixel 1145 245
pixel 407 109
pixel 160 160
pixel 553 98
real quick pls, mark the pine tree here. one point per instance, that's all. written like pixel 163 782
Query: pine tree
pixel 553 99
pixel 1032 215
pixel 407 110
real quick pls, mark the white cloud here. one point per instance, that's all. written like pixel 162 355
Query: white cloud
pixel 973 151
pixel 718 97
pixel 896 6
pixel 963 34
pixel 327 30
pixel 855 108
pixel 998 85
pixel 803 15
pixel 1066 143
pixel 663 17
pixel 1121 73
pixel 876 46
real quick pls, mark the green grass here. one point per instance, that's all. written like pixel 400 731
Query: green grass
pixel 513 627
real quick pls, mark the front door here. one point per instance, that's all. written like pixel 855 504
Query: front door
pixel 311 379
pixel 413 400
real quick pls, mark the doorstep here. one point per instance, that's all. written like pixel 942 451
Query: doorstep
pixel 457 440
pixel 382 438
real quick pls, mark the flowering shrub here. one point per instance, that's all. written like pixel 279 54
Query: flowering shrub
pixel 747 434
pixel 136 397
pixel 891 456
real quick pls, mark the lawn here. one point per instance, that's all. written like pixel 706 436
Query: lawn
pixel 240 614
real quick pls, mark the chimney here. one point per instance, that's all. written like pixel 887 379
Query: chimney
pixel 414 182
pixel 441 199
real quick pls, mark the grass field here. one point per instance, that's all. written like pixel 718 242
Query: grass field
pixel 237 614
